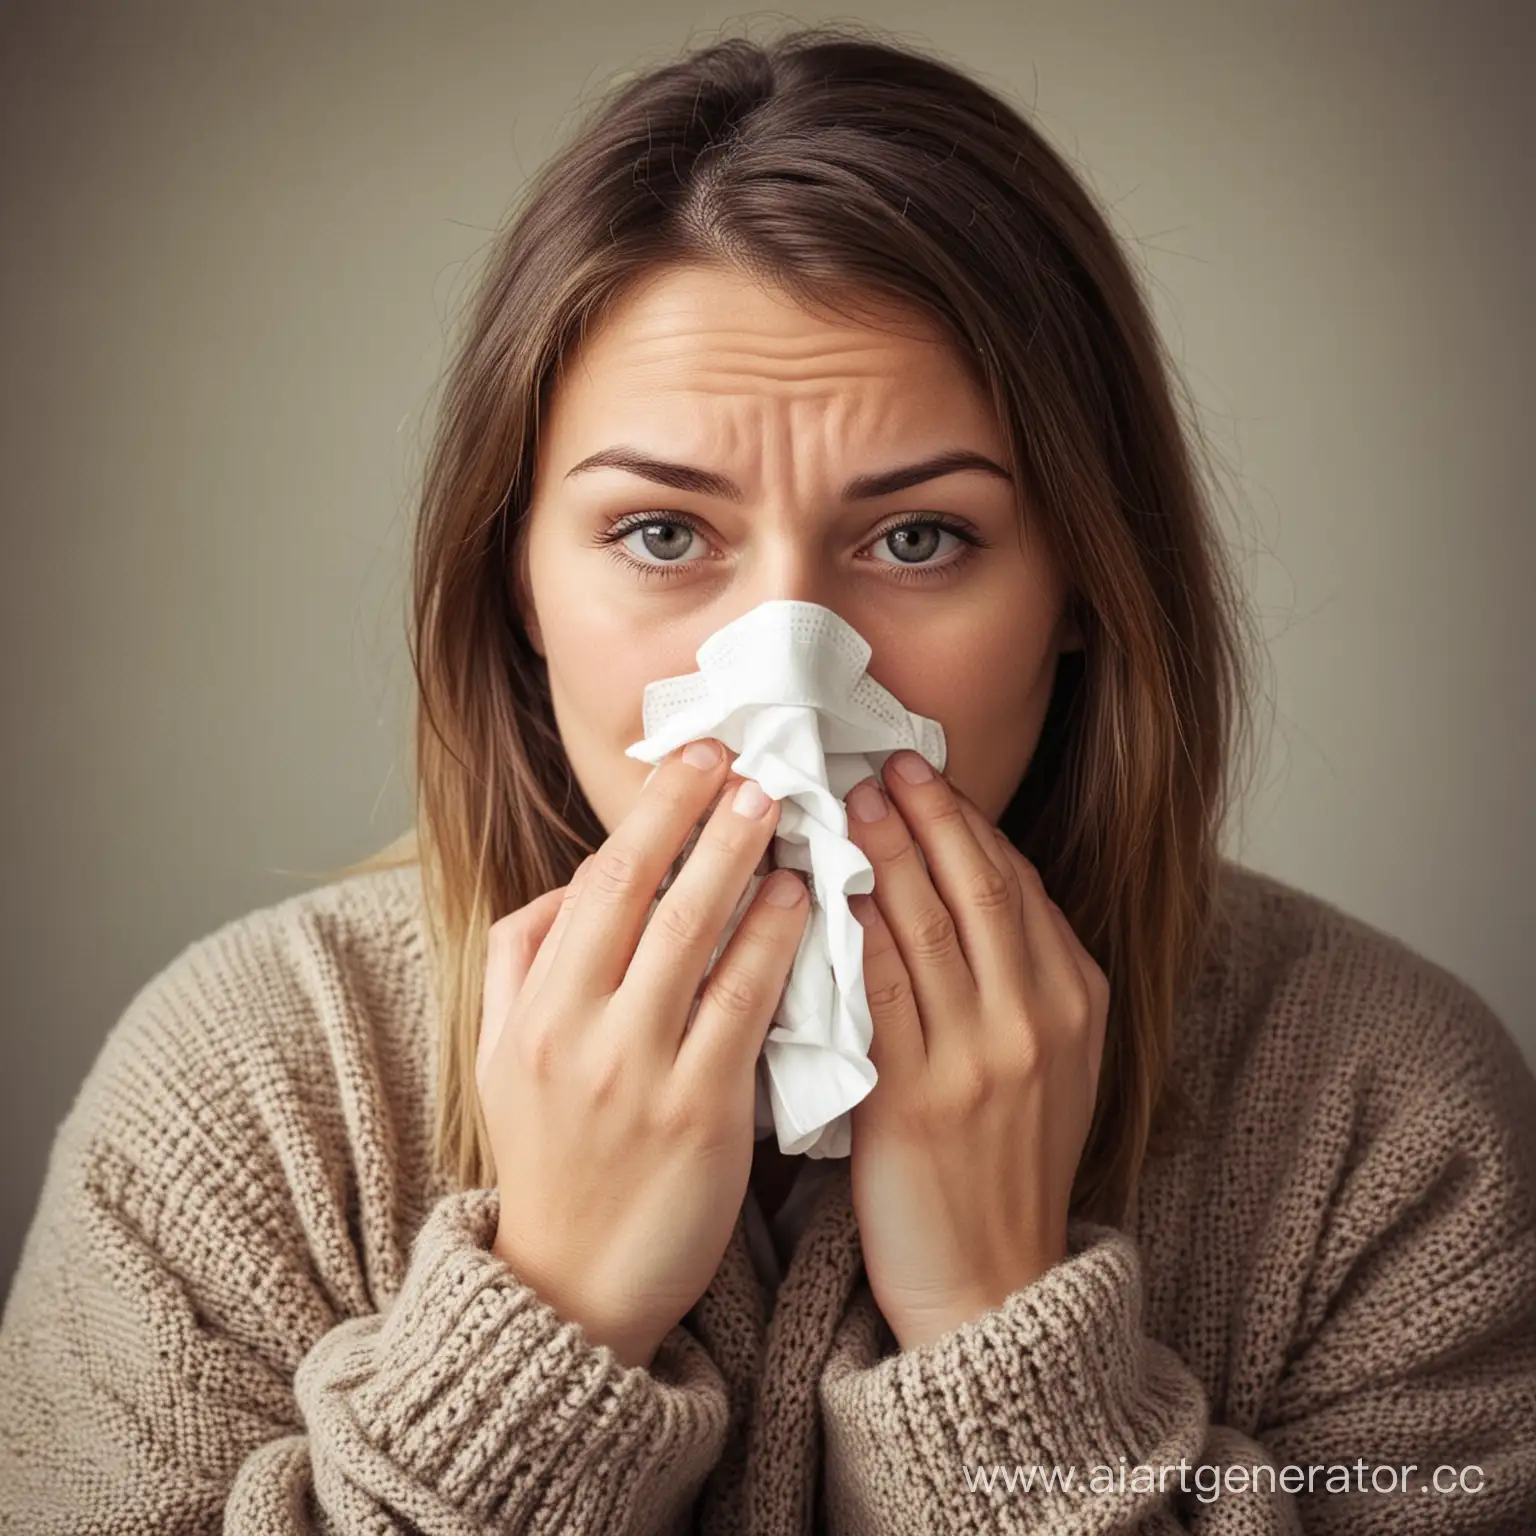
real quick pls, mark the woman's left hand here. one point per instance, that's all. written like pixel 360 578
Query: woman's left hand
pixel 989 1020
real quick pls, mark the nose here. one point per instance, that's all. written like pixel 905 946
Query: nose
pixel 788 570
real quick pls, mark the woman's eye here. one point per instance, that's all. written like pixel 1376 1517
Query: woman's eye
pixel 667 541
pixel 914 543
pixel 664 546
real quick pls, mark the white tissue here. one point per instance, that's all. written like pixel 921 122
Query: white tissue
pixel 785 687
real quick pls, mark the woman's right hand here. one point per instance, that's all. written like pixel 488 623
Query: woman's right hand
pixel 622 1134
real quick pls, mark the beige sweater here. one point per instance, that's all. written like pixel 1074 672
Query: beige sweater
pixel 244 1305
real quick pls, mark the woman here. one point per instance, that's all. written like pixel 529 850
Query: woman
pixel 1184 1200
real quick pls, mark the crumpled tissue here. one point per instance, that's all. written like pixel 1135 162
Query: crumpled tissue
pixel 785 687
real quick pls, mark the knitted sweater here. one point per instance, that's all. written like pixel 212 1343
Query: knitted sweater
pixel 244 1303
pixel 770 1240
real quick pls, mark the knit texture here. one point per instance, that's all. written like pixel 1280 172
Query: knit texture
pixel 771 1240
pixel 244 1303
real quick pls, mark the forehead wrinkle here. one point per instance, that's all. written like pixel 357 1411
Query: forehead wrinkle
pixel 799 423
pixel 702 344
pixel 743 374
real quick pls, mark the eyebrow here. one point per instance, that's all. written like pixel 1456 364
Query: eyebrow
pixel 704 482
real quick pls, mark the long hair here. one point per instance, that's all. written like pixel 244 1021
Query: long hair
pixel 835 166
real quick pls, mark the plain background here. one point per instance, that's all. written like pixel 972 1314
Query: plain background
pixel 234 237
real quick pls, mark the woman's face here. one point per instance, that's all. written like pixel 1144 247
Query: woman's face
pixel 703 369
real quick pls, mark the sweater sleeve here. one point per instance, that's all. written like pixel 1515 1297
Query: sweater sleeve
pixel 1033 1417
pixel 172 1360
pixel 1413 1346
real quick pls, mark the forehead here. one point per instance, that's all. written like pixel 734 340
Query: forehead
pixel 714 330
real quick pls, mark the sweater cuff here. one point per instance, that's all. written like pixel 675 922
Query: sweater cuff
pixel 1059 1376
pixel 471 1385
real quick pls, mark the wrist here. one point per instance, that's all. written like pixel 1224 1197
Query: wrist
pixel 631 1347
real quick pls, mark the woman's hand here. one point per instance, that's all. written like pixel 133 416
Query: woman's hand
pixel 622 1133
pixel 989 1021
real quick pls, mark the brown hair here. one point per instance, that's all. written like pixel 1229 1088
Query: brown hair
pixel 835 166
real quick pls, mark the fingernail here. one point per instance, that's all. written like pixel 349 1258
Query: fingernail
pixel 863 908
pixel 866 802
pixel 701 754
pixel 750 800
pixel 913 767
pixel 783 890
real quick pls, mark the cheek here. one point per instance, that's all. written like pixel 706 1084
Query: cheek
pixel 972 678
pixel 597 684
pixel 599 667
pixel 595 653
pixel 989 687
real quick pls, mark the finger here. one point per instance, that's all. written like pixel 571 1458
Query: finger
pixel 921 920
pixel 985 832
pixel 511 944
pixel 897 1050
pixel 982 901
pixel 616 893
pixel 692 919
pixel 549 944
pixel 1053 967
pixel 1012 959
pixel 742 993
pixel 1098 990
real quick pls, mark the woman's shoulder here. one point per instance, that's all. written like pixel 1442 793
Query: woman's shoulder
pixel 1316 990
pixel 314 1001
pixel 253 1135
pixel 362 920
pixel 355 941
